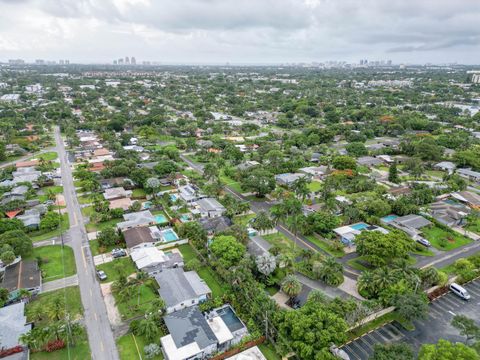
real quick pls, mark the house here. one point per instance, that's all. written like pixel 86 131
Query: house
pixel 348 233
pixel 447 166
pixel 13 325
pixel 26 174
pixel 28 163
pixel 22 274
pixel 123 204
pixel 252 353
pixel 315 157
pixel 247 165
pixel 101 152
pixel 30 219
pixel 116 193
pixel 208 208
pixel 197 336
pixel 468 197
pixel 180 289
pixel 288 179
pixel 215 225
pixel 368 161
pixel 189 193
pixel 469 174
pixel 397 191
pixel 410 224
pixel 136 219
pixel 124 182
pixel 449 212
pixel 316 172
pixel 387 159
pixel 152 260
pixel 139 237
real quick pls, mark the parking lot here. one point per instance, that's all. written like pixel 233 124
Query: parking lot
pixel 430 330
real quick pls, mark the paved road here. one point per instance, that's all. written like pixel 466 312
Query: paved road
pixel 60 283
pixel 436 326
pixel 100 335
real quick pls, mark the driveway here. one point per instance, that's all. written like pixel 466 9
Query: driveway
pixel 436 326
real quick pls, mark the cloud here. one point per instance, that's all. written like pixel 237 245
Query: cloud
pixel 241 30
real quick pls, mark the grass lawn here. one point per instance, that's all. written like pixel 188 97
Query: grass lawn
pixel 110 268
pixel 243 219
pixel 102 225
pixel 138 304
pixel 474 226
pixel 52 265
pixel 138 194
pixel 315 186
pixel 47 189
pixel 73 302
pixel 443 240
pixel 87 211
pixel 269 352
pixel 324 245
pixel 232 184
pixel 130 345
pixel 435 173
pixel 80 351
pixel 356 263
pixel 423 252
pixel 187 252
pixel 85 199
pixel 280 240
pixel 41 235
pixel 208 275
pixel 95 248
pixel 48 156
pixel 359 331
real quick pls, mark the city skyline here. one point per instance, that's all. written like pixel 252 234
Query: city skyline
pixel 250 32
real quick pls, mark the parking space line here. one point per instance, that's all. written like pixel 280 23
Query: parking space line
pixel 435 313
pixel 350 352
pixel 451 303
pixel 369 340
pixel 393 330
pixel 355 345
pixel 475 292
pixel 378 336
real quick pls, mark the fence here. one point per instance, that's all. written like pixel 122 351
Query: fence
pixel 172 244
pixel 241 348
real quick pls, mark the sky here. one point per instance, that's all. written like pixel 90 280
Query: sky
pixel 241 31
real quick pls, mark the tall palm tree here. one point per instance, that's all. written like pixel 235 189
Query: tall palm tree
pixel 365 284
pixel 56 309
pixel 291 286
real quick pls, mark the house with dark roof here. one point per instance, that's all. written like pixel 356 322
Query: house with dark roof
pixel 208 208
pixel 215 225
pixel 139 237
pixel 136 219
pixel 450 213
pixel 368 161
pixel 13 325
pixel 467 197
pixel 180 289
pixel 193 335
pixel 24 274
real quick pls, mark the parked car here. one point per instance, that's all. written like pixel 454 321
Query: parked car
pixel 117 253
pixel 101 275
pixel 459 291
pixel 424 242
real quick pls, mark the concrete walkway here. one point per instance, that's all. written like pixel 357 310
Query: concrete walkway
pixel 466 233
pixel 45 242
pixel 60 283
pixel 102 259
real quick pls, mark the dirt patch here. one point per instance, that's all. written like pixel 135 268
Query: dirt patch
pixel 112 311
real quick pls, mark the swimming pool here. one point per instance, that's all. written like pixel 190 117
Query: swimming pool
pixel 147 204
pixel 359 226
pixel 184 218
pixel 230 319
pixel 169 235
pixel 173 197
pixel 389 218
pixel 161 219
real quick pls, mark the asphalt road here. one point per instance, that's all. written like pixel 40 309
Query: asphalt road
pixel 428 331
pixel 100 335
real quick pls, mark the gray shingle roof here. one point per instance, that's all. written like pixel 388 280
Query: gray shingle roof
pixel 187 326
pixel 13 325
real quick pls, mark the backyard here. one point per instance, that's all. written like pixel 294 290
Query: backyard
pixel 113 269
pixel 138 303
pixel 130 347
pixel 326 246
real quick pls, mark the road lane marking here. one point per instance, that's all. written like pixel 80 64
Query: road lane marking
pixel 84 259
pixel 95 316
pixel 101 346
pixel 91 293
pixel 452 313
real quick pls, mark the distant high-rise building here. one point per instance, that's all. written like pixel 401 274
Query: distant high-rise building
pixel 127 60
pixel 61 62
pixel 16 61
pixel 120 61
pixel 115 62
pixel 146 62
pixel 133 61
pixel 476 78
pixel 39 62
pixel 67 62
pixel 389 62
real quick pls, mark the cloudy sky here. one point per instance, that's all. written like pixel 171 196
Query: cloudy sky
pixel 241 31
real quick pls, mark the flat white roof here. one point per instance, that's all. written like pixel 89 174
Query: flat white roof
pixel 345 230
pixel 253 353
pixel 220 329
pixel 174 353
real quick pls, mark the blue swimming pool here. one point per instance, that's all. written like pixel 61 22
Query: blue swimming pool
pixel 359 226
pixel 184 218
pixel 173 197
pixel 169 235
pixel 389 218
pixel 230 318
pixel 147 204
pixel 161 219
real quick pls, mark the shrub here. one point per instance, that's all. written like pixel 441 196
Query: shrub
pixel 54 345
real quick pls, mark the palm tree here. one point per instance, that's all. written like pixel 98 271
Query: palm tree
pixel 149 328
pixel 56 309
pixel 35 312
pixel 365 284
pixel 266 264
pixel 291 286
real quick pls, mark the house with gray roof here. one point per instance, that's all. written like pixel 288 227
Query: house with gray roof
pixel 368 161
pixel 30 219
pixel 180 289
pixel 208 208
pixel 467 197
pixel 215 225
pixel 136 219
pixel 190 193
pixel 13 325
pixel 469 174
pixel 288 179
pixel 23 274
pixel 449 213
pixel 447 166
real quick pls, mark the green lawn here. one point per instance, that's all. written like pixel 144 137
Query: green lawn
pixel 280 240
pixel 47 189
pixel 95 248
pixel 111 270
pixel 88 211
pixel 127 347
pixel 102 225
pixel 85 199
pixel 52 264
pixel 269 352
pixel 187 252
pixel 324 245
pixel 444 240
pixel 359 331
pixel 73 303
pixel 356 264
pixel 315 186
pixel 48 156
pixel 474 225
pixel 138 194
pixel 41 235
pixel 232 184
pixel 138 304
pixel 79 352
pixel 243 219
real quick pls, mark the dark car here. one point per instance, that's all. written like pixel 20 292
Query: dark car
pixel 117 253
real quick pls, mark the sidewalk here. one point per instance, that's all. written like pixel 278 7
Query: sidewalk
pixel 466 233
pixel 59 284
